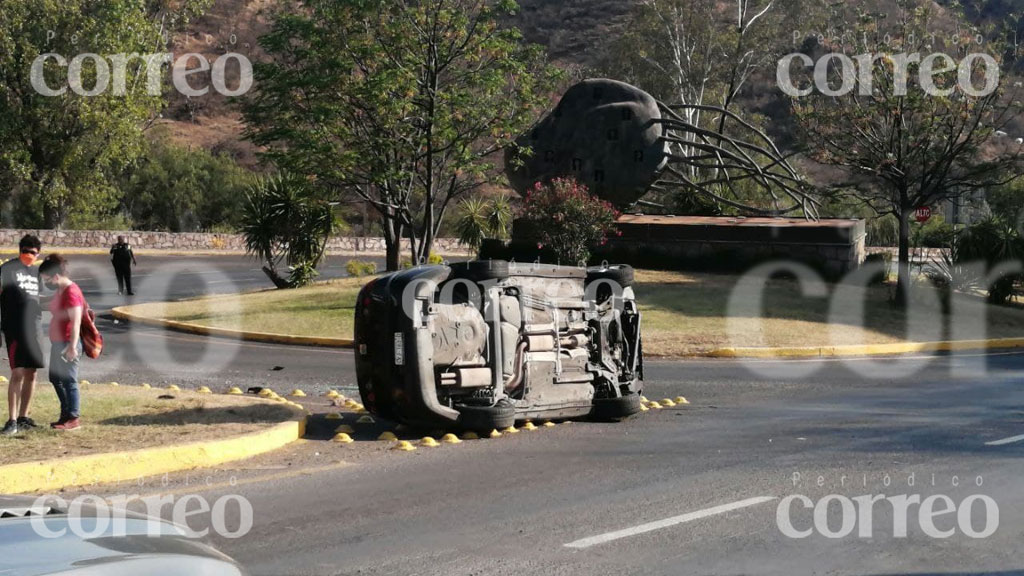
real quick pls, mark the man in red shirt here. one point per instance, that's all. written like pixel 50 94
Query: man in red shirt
pixel 67 307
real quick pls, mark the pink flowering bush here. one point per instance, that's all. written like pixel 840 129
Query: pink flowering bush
pixel 568 219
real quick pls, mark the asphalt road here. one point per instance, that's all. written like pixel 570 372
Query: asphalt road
pixel 688 490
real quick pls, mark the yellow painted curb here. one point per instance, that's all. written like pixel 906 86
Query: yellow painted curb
pixel 52 475
pixel 124 313
pixel 867 349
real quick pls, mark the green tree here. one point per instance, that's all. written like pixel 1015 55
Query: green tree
pixel 284 222
pixel 63 151
pixel 404 103
pixel 902 144
pixel 181 189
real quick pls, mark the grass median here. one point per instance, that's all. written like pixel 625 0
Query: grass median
pixel 120 418
pixel 685 314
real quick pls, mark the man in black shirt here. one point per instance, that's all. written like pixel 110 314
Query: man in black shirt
pixel 123 259
pixel 20 319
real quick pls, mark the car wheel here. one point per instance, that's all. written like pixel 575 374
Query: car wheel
pixel 606 409
pixel 500 416
pixel 481 270
pixel 621 274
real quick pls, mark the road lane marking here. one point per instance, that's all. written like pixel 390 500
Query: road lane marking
pixel 722 361
pixel 1005 441
pixel 667 523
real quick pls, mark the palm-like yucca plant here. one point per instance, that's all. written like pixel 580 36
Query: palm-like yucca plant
pixel 284 222
pixel 480 219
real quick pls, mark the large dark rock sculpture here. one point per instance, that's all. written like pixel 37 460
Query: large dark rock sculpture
pixel 604 133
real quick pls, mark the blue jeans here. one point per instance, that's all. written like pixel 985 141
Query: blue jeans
pixel 64 377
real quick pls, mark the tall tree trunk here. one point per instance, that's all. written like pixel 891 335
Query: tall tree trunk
pixel 903 275
pixel 392 243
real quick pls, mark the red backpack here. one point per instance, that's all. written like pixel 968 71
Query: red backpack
pixel 92 340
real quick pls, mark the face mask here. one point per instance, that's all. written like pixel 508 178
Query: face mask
pixel 27 259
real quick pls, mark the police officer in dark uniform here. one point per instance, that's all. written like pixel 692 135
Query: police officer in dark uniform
pixel 123 258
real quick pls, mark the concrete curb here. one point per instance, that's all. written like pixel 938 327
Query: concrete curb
pixel 124 313
pixel 52 475
pixel 867 349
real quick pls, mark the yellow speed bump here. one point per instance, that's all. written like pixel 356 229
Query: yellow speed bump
pixel 644 399
pixel 298 393
pixel 470 436
pixel 351 403
pixel 266 393
pixel 529 426
pixel 495 434
pixel 342 438
pixel 365 420
pixel 174 388
pixel 451 439
pixel 654 406
pixel 682 400
pixel 510 430
pixel 145 386
pixel 332 394
pixel 344 428
pixel 204 390
pixel 548 424
pixel 114 384
pixel 404 446
pixel 3 379
pixel 83 382
pixel 644 408
pixel 334 416
pixel 429 442
pixel 387 437
pixel 667 402
pixel 235 391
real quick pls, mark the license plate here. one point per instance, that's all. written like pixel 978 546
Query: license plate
pixel 399 349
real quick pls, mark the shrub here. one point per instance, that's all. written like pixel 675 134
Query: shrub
pixel 935 233
pixel 480 219
pixel 884 259
pixel 992 241
pixel 359 268
pixel 567 219
pixel 181 189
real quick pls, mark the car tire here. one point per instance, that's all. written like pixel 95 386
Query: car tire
pixel 481 270
pixel 621 274
pixel 607 409
pixel 486 418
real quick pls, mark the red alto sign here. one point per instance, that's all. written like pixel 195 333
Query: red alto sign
pixel 923 214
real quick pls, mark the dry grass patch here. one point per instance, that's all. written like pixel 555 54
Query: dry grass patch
pixel 685 314
pixel 325 309
pixel 128 418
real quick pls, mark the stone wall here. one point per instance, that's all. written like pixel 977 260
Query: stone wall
pixel 834 247
pixel 723 244
pixel 198 241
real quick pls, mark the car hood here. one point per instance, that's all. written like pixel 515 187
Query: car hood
pixel 44 540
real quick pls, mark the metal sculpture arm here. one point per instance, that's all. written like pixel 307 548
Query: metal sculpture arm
pixel 716 162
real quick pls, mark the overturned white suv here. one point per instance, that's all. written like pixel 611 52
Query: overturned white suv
pixel 482 344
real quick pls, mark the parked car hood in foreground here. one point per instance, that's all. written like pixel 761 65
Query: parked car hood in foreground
pixel 144 547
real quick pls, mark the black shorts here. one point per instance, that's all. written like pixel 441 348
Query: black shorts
pixel 24 351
